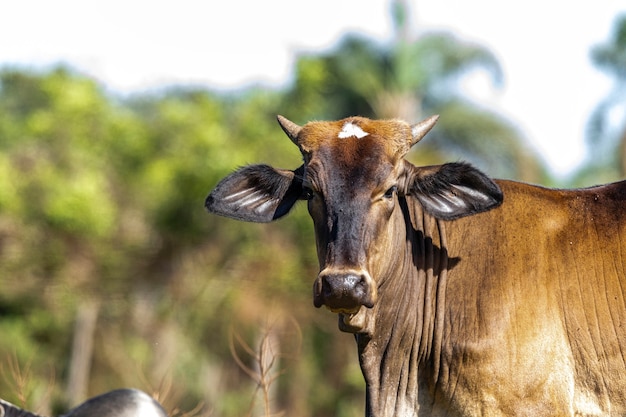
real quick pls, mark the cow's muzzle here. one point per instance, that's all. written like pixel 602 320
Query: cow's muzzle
pixel 344 291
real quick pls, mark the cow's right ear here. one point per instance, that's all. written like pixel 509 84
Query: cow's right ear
pixel 256 193
pixel 452 190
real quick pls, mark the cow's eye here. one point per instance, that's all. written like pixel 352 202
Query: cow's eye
pixel 307 193
pixel 390 192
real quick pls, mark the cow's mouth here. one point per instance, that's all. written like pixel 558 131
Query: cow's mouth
pixel 359 321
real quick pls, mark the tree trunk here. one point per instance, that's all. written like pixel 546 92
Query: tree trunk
pixel 82 351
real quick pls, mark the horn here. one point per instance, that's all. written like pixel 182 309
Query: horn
pixel 290 128
pixel 420 129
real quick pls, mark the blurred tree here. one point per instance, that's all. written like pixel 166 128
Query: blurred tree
pixel 411 78
pixel 58 214
pixel 606 135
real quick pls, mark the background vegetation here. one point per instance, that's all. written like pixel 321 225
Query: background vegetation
pixel 113 275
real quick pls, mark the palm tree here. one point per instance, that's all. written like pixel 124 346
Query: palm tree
pixel 606 132
pixel 410 78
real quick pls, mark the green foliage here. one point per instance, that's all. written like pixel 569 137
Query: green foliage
pixel 611 56
pixel 606 128
pixel 411 79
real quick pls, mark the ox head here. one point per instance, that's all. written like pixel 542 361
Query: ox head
pixel 354 177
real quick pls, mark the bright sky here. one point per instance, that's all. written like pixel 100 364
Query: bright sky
pixel 132 45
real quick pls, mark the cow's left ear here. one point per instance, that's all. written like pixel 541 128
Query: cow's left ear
pixel 256 193
pixel 453 190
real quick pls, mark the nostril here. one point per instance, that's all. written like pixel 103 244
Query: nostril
pixel 327 289
pixel 318 295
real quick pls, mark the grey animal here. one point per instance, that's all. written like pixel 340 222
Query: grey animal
pixel 118 403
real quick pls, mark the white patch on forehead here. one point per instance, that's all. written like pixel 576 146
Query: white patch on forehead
pixel 350 129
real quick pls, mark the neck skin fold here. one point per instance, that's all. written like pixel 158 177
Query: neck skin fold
pixel 408 318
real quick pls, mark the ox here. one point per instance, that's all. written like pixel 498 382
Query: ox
pixel 117 403
pixel 467 296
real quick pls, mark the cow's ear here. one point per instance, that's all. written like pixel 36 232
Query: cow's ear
pixel 256 193
pixel 452 190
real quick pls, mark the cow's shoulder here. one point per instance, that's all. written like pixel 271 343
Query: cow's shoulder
pixel 537 213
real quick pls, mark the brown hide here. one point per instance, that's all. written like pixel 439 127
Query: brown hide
pixel 535 310
pixel 527 316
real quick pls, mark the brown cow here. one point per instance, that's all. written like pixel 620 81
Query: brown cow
pixel 462 304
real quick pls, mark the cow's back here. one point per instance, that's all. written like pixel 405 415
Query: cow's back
pixel 535 307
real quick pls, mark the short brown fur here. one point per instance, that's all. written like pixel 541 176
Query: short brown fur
pixel 395 134
pixel 462 304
